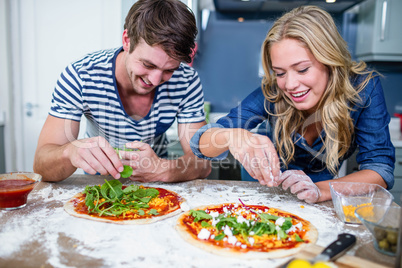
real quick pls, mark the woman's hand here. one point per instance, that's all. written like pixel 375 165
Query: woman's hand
pixel 257 154
pixel 301 185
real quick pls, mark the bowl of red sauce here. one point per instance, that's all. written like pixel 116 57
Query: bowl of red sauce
pixel 15 188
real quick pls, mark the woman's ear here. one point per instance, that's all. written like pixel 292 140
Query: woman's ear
pixel 126 41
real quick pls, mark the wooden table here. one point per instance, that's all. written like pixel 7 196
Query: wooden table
pixel 43 235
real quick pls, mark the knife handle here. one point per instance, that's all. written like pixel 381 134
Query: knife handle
pixel 339 246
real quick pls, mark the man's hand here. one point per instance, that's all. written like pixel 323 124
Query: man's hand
pixel 147 166
pixel 94 155
pixel 257 154
pixel 301 185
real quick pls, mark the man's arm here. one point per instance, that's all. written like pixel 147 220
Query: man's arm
pixel 189 166
pixel 147 166
pixel 59 153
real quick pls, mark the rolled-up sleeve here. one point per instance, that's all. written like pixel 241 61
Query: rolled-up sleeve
pixel 195 143
pixel 386 172
pixel 247 115
pixel 376 151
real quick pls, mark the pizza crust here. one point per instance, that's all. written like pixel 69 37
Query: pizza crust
pixel 69 207
pixel 311 235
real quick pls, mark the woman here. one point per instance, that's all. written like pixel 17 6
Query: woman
pixel 319 107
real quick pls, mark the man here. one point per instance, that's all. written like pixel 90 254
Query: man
pixel 130 97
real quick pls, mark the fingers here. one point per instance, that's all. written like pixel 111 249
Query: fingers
pixel 258 156
pixel 301 185
pixel 96 155
pixel 310 196
pixel 138 145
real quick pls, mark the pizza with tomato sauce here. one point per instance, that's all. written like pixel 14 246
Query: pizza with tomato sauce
pixel 134 204
pixel 246 231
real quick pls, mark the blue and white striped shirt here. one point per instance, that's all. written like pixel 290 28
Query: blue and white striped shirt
pixel 88 87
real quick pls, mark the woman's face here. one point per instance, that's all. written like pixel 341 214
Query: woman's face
pixel 298 74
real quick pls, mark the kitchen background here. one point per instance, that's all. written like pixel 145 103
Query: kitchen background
pixel 38 38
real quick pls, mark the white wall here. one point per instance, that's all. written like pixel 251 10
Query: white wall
pixel 6 93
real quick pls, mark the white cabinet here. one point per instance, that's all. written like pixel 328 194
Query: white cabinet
pixel 379 30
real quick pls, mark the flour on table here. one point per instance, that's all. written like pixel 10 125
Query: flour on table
pixel 101 244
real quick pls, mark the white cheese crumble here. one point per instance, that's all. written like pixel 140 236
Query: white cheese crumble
pixel 214 214
pixel 251 240
pixel 294 227
pixel 227 231
pixel 232 240
pixel 204 234
pixel 280 221
pixel 241 219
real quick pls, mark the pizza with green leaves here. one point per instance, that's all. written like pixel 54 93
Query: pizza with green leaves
pixel 113 202
pixel 246 231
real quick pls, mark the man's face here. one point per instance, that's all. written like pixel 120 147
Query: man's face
pixel 148 66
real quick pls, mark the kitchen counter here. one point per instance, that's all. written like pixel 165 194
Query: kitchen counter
pixel 43 235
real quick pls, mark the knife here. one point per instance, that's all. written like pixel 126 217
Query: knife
pixel 335 250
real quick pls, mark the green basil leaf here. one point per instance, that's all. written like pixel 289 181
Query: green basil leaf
pixel 266 217
pixel 112 189
pixel 152 192
pixel 219 237
pixel 130 188
pixel 141 212
pixel 200 215
pixel 127 171
pixel 286 225
pixel 298 239
pixel 205 224
pixel 282 234
pixel 89 201
pixel 153 212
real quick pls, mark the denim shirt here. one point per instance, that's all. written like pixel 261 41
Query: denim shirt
pixel 372 138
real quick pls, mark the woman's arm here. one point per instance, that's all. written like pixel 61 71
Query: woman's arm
pixel 367 176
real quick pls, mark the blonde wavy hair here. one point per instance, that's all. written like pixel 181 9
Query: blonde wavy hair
pixel 315 29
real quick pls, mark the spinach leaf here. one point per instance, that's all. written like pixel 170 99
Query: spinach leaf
pixel 112 189
pixel 127 171
pixel 205 224
pixel 130 188
pixel 219 237
pixel 111 200
pixel 286 224
pixel 282 234
pixel 298 239
pixel 200 215
pixel 153 212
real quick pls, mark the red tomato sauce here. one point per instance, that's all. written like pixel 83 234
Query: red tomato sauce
pixel 14 193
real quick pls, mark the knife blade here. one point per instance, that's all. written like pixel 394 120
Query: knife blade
pixel 334 250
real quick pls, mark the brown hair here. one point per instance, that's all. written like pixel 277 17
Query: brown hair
pixel 315 29
pixel 168 23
